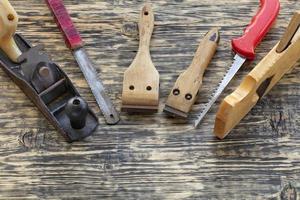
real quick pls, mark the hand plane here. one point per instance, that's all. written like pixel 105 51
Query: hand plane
pixel 187 86
pixel 141 79
pixel 281 59
pixel 43 81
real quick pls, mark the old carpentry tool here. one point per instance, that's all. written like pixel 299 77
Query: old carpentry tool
pixel 244 47
pixel 141 79
pixel 185 91
pixel 281 59
pixel 43 81
pixel 75 43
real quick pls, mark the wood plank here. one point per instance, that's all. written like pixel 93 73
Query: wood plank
pixel 151 156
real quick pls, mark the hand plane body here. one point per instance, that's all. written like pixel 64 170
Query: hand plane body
pixel 185 91
pixel 141 79
pixel 44 82
pixel 281 59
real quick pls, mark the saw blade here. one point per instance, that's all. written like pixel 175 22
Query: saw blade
pixel 237 64
pixel 107 108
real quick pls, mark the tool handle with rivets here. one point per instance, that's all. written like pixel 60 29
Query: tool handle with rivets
pixel 185 90
pixel 141 79
pixel 8 26
pixel 260 80
pixel 64 21
pixel 258 28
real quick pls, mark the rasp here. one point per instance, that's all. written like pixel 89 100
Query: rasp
pixel 75 43
pixel 244 47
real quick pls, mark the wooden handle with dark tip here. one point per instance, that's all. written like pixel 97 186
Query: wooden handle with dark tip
pixel 289 33
pixel 185 90
pixel 146 26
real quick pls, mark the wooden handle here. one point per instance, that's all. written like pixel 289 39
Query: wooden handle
pixel 289 34
pixel 204 54
pixel 8 25
pixel 141 79
pixel 146 26
pixel 184 92
pixel 259 82
pixel 64 22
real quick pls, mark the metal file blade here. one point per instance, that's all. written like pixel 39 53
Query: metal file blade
pixel 96 85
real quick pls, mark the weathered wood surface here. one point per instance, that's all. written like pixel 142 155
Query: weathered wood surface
pixel 151 157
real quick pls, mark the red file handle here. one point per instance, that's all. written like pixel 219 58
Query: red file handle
pixel 256 31
pixel 64 22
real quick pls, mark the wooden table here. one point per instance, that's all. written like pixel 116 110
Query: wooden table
pixel 151 157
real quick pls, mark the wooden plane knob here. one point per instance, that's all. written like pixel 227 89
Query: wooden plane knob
pixel 8 26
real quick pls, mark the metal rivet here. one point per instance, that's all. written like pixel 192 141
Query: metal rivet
pixel 188 96
pixel 176 92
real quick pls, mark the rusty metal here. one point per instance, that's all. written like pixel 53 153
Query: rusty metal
pixel 50 89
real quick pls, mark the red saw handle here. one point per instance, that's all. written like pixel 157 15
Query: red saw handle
pixel 64 21
pixel 258 28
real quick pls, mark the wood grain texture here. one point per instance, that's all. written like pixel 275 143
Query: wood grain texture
pixel 151 156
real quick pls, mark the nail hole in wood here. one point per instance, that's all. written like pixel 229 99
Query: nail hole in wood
pixel 188 96
pixel 146 13
pixel 149 88
pixel 131 87
pixel 10 17
pixel 176 92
